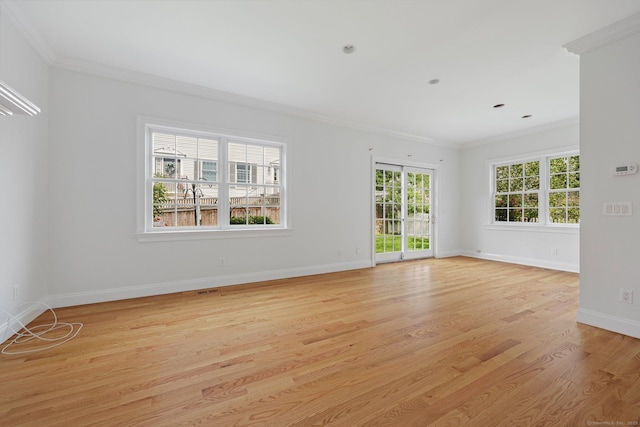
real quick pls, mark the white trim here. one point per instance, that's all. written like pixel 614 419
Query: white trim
pixel 609 322
pixel 145 233
pixel 564 123
pixel 604 36
pixel 536 228
pixel 25 317
pixel 14 14
pixel 435 189
pixel 194 234
pixel 162 83
pixel 447 254
pixel 560 151
pixel 532 262
pixel 543 157
pixel 113 294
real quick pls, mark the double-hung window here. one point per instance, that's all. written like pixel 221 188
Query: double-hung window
pixel 517 192
pixel 542 190
pixel 564 190
pixel 208 181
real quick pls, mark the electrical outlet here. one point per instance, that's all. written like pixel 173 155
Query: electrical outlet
pixel 626 296
pixel 222 262
pixel 339 252
pixel 554 251
pixel 16 292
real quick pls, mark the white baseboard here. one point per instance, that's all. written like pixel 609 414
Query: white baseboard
pixel 24 317
pixel 447 254
pixel 113 294
pixel 609 322
pixel 533 262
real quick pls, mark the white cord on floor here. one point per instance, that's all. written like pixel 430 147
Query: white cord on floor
pixel 38 332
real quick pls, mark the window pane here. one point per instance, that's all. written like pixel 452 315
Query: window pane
pixel 574 180
pixel 531 215
pixel 187 147
pixel 558 165
pixel 532 183
pixel 209 215
pixel 163 144
pixel 207 149
pixel 255 154
pixel 272 156
pixel 531 200
pixel 515 215
pixel 558 181
pixel 502 172
pixel 557 215
pixel 272 209
pixel 573 198
pixel 261 175
pixel 573 215
pixel 501 215
pixel 502 186
pixel 557 199
pixel 532 168
pixel 209 171
pixel 243 173
pixel 516 170
pixel 515 200
pixel 516 184
pixel 237 152
pixel 501 201
pixel 166 167
pixel 574 163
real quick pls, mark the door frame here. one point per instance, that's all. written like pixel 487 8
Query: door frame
pixel 435 197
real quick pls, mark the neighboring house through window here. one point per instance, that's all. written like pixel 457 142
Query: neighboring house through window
pixel 207 181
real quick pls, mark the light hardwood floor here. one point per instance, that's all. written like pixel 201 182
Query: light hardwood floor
pixel 452 341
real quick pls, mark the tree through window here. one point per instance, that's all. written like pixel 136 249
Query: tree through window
pixel 543 190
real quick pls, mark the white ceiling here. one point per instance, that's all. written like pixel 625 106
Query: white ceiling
pixel 289 52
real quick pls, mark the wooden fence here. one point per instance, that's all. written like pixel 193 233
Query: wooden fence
pixel 185 210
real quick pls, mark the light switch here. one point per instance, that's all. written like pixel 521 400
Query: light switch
pixel 617 209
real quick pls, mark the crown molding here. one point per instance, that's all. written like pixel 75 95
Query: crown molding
pixel 605 36
pixel 162 83
pixel 11 10
pixel 571 121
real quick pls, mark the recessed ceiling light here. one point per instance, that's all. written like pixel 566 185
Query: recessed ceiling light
pixel 498 106
pixel 349 48
pixel 434 81
pixel 526 116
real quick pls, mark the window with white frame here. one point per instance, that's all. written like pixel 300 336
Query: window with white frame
pixel 207 181
pixel 564 190
pixel 543 190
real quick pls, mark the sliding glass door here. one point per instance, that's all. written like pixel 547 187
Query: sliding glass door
pixel 403 222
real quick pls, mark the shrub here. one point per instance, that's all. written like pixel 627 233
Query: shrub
pixel 253 219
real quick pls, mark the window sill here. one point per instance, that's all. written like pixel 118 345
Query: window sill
pixel 178 235
pixel 536 228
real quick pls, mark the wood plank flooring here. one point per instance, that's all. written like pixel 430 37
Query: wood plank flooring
pixel 443 342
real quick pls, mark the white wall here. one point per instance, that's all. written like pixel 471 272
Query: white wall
pixel 94 253
pixel 23 144
pixel 530 247
pixel 610 136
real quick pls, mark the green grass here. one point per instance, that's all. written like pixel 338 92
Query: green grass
pixel 391 243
